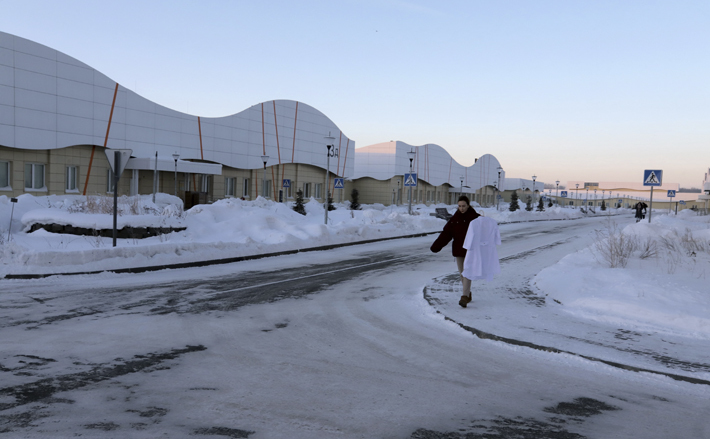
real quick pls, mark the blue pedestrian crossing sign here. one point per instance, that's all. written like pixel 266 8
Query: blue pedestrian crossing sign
pixel 563 194
pixel 671 194
pixel 652 177
pixel 339 183
pixel 287 182
pixel 682 202
pixel 410 180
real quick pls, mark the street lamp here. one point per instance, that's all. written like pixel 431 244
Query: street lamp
pixel 586 199
pixel 411 154
pixel 461 178
pixel 533 194
pixel 498 195
pixel 264 158
pixel 330 145
pixel 557 190
pixel 176 156
pixel 576 194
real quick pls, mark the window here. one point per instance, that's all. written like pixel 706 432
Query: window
pixel 71 179
pixel 5 175
pixel 319 190
pixel 109 181
pixel 287 192
pixel 245 189
pixel 204 183
pixel 268 189
pixel 230 186
pixel 34 176
pixel 306 190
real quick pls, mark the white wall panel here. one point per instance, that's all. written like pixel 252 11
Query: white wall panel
pixel 37 64
pixel 36 82
pixel 7 134
pixel 33 138
pixel 35 119
pixel 7 95
pixel 76 90
pixel 7 57
pixel 73 139
pixel 33 100
pixel 7 114
pixel 7 76
pixel 74 125
pixel 22 45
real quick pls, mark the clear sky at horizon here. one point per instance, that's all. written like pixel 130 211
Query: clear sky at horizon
pixel 568 89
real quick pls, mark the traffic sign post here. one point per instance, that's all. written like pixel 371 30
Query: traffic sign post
pixel 652 177
pixel 117 160
pixel 671 194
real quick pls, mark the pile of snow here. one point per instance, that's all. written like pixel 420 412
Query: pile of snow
pixel 659 283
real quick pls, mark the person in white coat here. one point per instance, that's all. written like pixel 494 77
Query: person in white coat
pixel 481 260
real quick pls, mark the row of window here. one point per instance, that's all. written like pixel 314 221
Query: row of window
pixel 34 177
pixel 309 189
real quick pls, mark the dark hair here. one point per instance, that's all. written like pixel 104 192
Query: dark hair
pixel 465 198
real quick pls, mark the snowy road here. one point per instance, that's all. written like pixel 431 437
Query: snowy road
pixel 340 344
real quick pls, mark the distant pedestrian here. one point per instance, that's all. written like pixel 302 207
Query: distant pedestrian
pixel 455 229
pixel 639 211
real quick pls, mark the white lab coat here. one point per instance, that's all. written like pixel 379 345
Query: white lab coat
pixel 481 253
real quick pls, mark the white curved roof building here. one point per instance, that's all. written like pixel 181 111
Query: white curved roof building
pixel 50 101
pixel 432 164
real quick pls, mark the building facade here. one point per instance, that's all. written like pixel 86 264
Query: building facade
pixel 59 116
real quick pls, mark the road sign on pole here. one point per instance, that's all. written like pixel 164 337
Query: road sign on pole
pixel 286 182
pixel 671 194
pixel 339 183
pixel 563 194
pixel 117 159
pixel 410 180
pixel 652 177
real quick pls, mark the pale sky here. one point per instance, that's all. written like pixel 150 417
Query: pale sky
pixel 594 90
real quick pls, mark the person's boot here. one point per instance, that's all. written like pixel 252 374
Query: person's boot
pixel 465 300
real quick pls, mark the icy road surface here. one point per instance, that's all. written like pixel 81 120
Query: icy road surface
pixel 359 342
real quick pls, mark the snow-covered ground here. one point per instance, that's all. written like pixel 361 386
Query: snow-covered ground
pixel 367 356
pixel 663 281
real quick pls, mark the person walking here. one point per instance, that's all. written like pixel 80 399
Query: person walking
pixel 455 229
pixel 639 211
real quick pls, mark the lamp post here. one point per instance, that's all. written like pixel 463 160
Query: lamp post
pixel 576 194
pixel 329 145
pixel 595 200
pixel 533 194
pixel 586 198
pixel 498 194
pixel 557 190
pixel 176 156
pixel 461 178
pixel 264 158
pixel 411 154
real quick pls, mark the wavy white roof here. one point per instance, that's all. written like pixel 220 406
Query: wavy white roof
pixel 432 164
pixel 49 100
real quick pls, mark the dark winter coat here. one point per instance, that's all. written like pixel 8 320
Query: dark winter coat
pixel 455 229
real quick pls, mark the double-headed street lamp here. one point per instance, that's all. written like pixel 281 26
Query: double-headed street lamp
pixel 264 158
pixel 533 194
pixel 411 154
pixel 176 156
pixel 557 190
pixel 576 194
pixel 330 145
